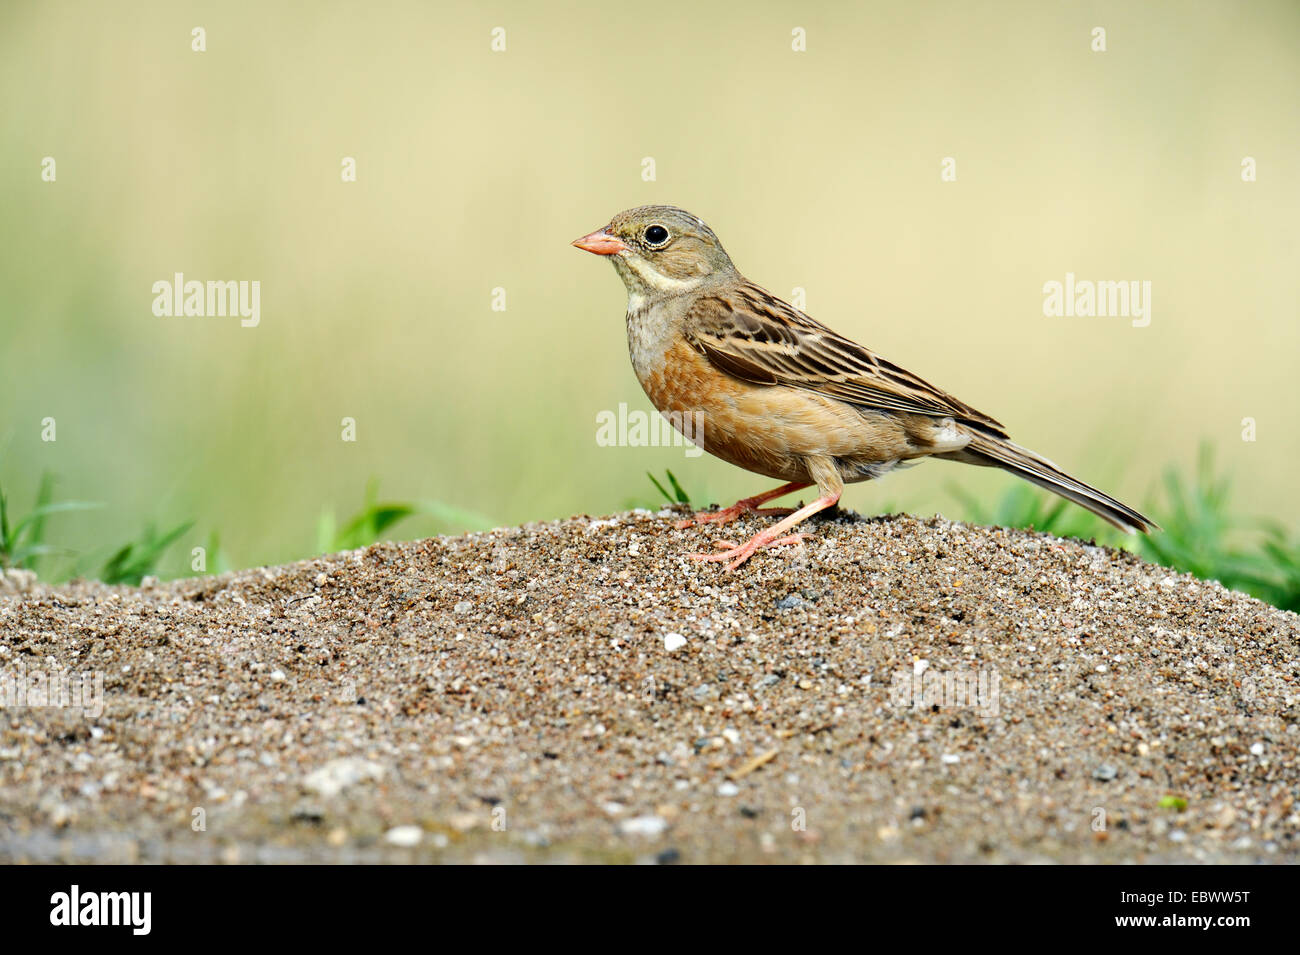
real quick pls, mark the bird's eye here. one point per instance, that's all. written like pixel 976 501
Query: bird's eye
pixel 656 235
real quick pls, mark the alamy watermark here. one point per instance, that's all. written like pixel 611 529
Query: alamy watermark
pixel 1087 299
pixel 75 907
pixel 22 688
pixel 923 688
pixel 178 298
pixel 640 429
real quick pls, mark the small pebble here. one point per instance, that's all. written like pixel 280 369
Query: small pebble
pixel 649 826
pixel 405 836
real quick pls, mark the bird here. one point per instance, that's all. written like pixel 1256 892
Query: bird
pixel 777 393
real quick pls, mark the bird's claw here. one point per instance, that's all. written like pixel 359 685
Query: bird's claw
pixel 729 514
pixel 724 516
pixel 739 553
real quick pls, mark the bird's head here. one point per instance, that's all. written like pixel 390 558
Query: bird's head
pixel 660 251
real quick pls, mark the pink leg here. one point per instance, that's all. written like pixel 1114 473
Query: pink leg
pixel 749 505
pixel 739 553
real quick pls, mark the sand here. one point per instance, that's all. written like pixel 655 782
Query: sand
pixel 581 691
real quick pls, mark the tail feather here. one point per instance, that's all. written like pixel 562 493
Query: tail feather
pixel 1023 463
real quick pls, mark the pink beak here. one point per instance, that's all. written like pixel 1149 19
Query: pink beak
pixel 600 242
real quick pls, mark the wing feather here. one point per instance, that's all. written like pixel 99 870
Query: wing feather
pixel 751 334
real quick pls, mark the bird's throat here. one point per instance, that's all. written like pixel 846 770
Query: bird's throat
pixel 645 281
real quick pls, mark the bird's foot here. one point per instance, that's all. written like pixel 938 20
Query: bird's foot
pixel 728 514
pixel 739 553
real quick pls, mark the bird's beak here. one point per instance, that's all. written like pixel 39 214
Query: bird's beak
pixel 600 242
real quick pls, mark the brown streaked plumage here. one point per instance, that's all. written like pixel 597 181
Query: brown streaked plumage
pixel 782 395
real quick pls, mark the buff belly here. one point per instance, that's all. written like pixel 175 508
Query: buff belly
pixel 776 430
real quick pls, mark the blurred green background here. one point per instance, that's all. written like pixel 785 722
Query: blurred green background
pixel 818 169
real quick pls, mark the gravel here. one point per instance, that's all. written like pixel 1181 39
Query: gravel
pixel 896 690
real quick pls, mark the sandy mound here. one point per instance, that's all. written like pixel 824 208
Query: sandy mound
pixel 899 690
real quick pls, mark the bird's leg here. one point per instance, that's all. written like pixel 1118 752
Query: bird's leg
pixel 772 537
pixel 748 505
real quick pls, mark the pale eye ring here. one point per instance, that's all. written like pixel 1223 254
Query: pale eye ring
pixel 656 235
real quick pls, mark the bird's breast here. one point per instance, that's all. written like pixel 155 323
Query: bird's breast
pixel 649 338
pixel 714 411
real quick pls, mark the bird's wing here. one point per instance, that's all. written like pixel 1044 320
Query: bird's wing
pixel 749 333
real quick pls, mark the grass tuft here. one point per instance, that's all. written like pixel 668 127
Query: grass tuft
pixel 134 561
pixel 370 524
pixel 679 496
pixel 22 545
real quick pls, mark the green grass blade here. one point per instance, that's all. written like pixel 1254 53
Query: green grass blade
pixel 667 497
pixel 682 496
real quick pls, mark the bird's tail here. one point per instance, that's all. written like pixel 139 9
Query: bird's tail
pixel 995 452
